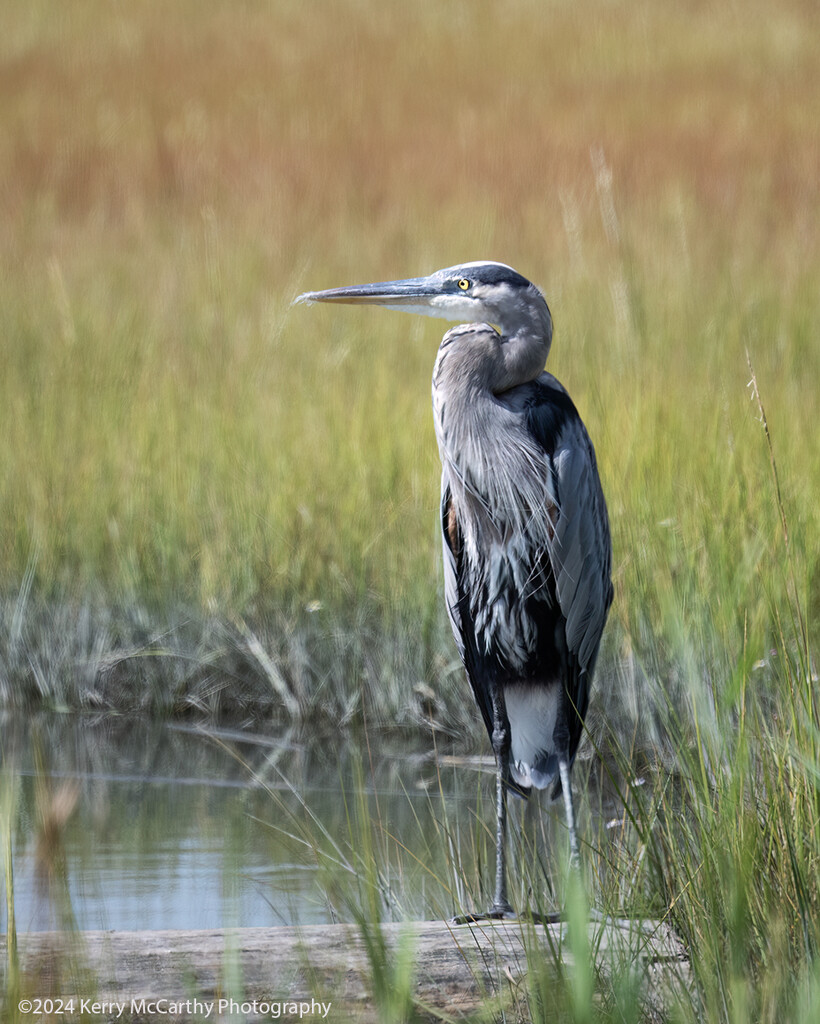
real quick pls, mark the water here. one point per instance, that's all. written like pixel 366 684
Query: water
pixel 125 824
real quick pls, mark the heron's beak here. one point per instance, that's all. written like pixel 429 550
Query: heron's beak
pixel 384 293
pixel 414 295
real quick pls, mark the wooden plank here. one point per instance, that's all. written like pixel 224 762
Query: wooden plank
pixel 258 974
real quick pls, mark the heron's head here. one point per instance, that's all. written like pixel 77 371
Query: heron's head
pixel 479 292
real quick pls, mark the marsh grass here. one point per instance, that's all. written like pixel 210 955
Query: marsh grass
pixel 12 966
pixel 368 875
pixel 65 969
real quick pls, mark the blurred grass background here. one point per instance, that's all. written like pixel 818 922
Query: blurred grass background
pixel 213 502
pixel 179 440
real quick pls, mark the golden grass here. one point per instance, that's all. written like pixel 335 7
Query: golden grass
pixel 177 434
pixel 173 177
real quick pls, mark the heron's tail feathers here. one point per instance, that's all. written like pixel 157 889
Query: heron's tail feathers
pixel 540 773
pixel 533 711
pixel 514 788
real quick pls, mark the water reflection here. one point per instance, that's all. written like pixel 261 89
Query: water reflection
pixel 126 824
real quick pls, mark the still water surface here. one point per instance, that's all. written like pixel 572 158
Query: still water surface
pixel 126 824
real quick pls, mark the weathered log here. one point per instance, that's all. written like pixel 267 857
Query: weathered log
pixel 294 973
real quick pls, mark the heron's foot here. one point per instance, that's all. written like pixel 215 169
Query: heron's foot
pixel 560 917
pixel 508 914
pixel 497 912
pixel 556 917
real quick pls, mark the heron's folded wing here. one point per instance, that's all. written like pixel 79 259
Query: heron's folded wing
pixel 580 547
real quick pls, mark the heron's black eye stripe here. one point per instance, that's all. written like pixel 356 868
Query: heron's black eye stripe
pixel 464 284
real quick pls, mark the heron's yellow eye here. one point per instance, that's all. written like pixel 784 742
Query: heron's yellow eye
pixel 464 284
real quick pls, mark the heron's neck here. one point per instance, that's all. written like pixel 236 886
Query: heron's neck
pixel 480 434
pixel 464 408
pixel 476 364
pixel 526 336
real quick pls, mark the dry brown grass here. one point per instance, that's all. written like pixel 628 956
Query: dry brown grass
pixel 288 124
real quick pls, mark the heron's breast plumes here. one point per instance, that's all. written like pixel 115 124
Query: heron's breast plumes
pixel 505 507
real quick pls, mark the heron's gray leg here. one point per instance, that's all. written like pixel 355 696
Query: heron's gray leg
pixel 569 810
pixel 574 854
pixel 501 746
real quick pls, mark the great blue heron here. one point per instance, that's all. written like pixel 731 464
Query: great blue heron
pixel 525 531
